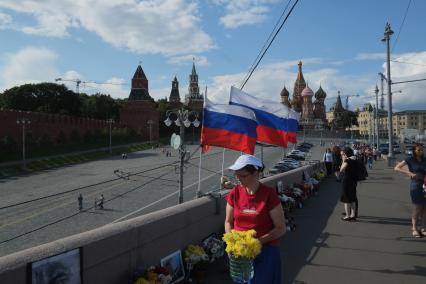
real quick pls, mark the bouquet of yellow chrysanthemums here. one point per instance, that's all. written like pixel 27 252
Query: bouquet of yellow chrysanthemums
pixel 195 254
pixel 242 244
pixel 242 248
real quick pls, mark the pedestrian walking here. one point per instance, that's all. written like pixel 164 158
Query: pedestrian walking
pixel 328 160
pixel 416 171
pixel 337 161
pixel 370 161
pixel 80 201
pixel 101 201
pixel 349 171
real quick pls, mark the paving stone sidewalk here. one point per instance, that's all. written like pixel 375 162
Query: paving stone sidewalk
pixel 377 248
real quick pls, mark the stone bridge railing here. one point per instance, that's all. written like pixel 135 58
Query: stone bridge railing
pixel 111 253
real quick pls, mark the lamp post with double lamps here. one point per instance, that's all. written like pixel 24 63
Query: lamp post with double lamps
pixel 110 122
pixel 23 121
pixel 182 121
pixel 386 39
pixel 376 117
pixel 150 123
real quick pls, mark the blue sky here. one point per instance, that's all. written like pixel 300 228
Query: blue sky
pixel 103 41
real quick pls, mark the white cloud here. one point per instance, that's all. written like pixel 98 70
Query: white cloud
pixel 28 65
pixel 410 66
pixel 268 82
pixel 370 56
pixel 244 12
pixel 187 59
pixel 5 21
pixel 116 87
pixel 156 26
pixel 32 65
pixel 253 15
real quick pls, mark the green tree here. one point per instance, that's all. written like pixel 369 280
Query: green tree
pixel 43 97
pixel 100 106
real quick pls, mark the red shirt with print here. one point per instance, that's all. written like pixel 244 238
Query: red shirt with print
pixel 251 211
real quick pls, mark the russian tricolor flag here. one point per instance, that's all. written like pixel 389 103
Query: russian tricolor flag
pixel 277 124
pixel 228 126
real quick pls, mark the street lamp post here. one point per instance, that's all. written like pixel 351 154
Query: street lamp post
pixel 388 32
pixel 150 123
pixel 23 121
pixel 110 122
pixel 376 117
pixel 182 121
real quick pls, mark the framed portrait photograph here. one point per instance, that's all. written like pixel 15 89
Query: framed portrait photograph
pixel 174 265
pixel 61 268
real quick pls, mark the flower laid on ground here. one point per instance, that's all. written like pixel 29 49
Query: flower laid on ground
pixel 319 175
pixel 155 275
pixel 213 247
pixel 195 254
pixel 242 244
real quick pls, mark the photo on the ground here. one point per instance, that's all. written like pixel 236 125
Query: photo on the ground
pixel 63 268
pixel 174 265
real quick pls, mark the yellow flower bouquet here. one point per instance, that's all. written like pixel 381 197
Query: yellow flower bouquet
pixel 242 247
pixel 242 244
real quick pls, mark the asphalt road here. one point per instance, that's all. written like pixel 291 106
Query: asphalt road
pixel 43 207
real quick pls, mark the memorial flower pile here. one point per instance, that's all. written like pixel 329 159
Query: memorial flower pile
pixel 195 254
pixel 154 275
pixel 242 244
pixel 214 247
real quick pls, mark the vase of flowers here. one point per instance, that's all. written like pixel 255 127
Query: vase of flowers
pixel 242 248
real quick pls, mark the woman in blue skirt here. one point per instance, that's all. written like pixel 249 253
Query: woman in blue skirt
pixel 416 171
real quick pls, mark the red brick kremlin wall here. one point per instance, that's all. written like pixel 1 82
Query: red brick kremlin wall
pixel 136 114
pixel 45 123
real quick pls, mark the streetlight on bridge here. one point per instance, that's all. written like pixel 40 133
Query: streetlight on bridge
pixel 150 123
pixel 23 121
pixel 110 122
pixel 182 121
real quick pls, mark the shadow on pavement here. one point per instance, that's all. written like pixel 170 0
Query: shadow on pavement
pixel 301 246
pixel 384 220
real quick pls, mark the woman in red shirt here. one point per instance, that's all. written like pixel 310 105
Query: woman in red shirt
pixel 253 205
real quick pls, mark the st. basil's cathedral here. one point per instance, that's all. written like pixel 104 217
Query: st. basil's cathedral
pixel 312 114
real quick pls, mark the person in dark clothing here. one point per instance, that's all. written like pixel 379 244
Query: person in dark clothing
pixel 80 201
pixel 328 161
pixel 337 161
pixel 348 170
pixel 416 171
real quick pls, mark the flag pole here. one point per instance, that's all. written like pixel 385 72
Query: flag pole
pixel 223 167
pixel 198 193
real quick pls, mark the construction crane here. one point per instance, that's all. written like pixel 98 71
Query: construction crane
pixel 78 82
pixel 347 100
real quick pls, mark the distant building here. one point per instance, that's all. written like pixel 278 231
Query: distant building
pixel 194 100
pixel 312 113
pixel 174 98
pixel 336 112
pixel 408 119
pixel 299 86
pixel 139 113
pixel 285 97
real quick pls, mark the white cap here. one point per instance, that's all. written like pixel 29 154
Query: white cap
pixel 245 160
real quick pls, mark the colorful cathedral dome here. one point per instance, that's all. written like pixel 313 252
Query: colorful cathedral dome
pixel 320 94
pixel 307 92
pixel 284 93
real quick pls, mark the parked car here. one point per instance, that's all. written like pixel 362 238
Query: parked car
pixel 396 148
pixel 384 147
pixel 409 150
